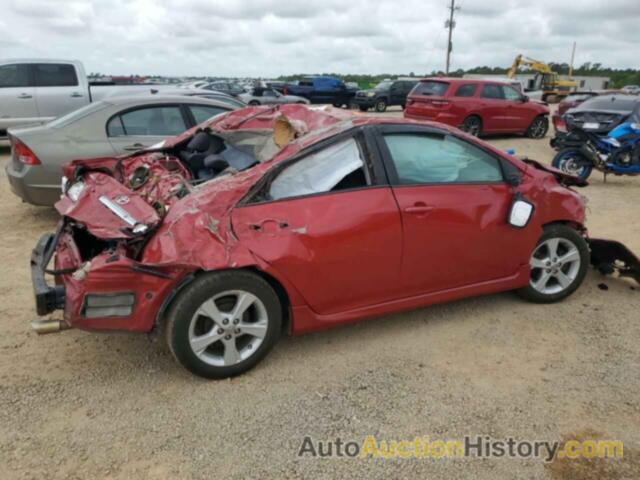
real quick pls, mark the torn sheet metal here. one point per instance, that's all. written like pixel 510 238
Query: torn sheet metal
pixel 561 177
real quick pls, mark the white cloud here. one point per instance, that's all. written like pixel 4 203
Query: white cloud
pixel 273 37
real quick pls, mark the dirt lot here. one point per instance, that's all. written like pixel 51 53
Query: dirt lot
pixel 81 405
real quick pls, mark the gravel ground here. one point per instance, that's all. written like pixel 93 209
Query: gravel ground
pixel 82 405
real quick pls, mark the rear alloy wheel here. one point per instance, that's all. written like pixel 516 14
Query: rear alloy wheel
pixel 254 103
pixel 538 128
pixel 223 323
pixel 381 105
pixel 472 125
pixel 558 265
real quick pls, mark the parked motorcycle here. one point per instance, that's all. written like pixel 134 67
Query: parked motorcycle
pixel 618 153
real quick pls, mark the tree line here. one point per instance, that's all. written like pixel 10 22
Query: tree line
pixel 619 77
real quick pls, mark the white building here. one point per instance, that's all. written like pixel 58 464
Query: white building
pixel 527 79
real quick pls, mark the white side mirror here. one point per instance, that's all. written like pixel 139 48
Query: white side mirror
pixel 520 213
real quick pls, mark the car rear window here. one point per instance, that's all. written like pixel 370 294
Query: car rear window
pixel 466 90
pixel 608 102
pixel 55 75
pixel 431 87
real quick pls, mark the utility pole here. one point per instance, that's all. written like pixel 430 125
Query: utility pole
pixel 573 55
pixel 450 24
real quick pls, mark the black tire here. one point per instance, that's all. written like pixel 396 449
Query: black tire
pixel 566 235
pixel 538 128
pixel 183 310
pixel 254 103
pixel 363 108
pixel 381 105
pixel 472 125
pixel 337 105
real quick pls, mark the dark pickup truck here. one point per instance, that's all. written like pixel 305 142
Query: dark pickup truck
pixel 320 90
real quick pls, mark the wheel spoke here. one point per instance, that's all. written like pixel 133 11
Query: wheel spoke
pixel 538 262
pixel 571 256
pixel 231 353
pixel 210 309
pixel 552 246
pixel 245 300
pixel 258 329
pixel 541 283
pixel 563 279
pixel 199 344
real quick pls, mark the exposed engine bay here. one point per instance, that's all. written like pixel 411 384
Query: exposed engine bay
pixel 163 177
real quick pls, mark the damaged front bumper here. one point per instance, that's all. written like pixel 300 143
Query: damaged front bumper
pixel 107 292
pixel 47 298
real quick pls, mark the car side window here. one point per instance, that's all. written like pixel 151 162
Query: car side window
pixel 468 90
pixel 492 91
pixel 202 113
pixel 511 93
pixel 154 121
pixel 440 159
pixel 336 167
pixel 55 75
pixel 15 75
pixel 269 93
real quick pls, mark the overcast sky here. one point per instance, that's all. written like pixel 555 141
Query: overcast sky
pixel 272 37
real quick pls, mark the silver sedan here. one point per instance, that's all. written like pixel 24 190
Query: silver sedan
pixel 114 126
pixel 269 96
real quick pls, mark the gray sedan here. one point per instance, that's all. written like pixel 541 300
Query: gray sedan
pixel 113 126
pixel 269 96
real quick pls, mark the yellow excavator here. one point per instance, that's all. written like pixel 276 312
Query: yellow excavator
pixel 553 89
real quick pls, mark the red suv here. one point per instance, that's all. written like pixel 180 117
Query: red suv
pixel 478 107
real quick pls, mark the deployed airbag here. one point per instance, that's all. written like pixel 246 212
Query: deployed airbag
pixel 319 172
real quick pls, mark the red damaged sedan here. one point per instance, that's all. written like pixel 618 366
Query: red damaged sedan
pixel 292 219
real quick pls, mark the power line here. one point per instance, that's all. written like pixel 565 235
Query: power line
pixel 450 24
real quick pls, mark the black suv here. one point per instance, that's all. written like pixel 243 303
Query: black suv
pixel 386 93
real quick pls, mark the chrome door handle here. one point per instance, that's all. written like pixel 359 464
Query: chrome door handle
pixel 24 95
pixel 76 95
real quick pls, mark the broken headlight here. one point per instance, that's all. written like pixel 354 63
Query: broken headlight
pixel 74 191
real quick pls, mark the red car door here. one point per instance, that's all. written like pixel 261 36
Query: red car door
pixel 519 113
pixel 329 230
pixel 454 206
pixel 493 109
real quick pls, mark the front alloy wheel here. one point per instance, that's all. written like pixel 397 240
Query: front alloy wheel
pixel 554 266
pixel 558 265
pixel 538 128
pixel 381 106
pixel 223 323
